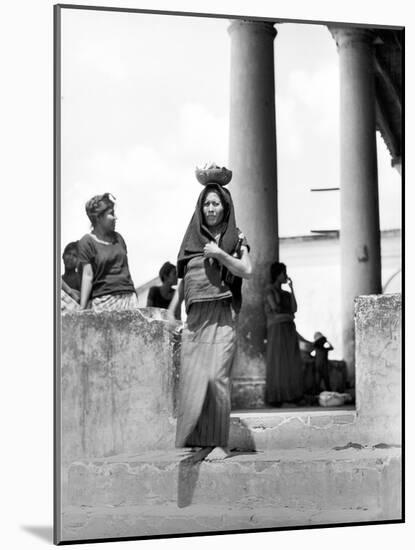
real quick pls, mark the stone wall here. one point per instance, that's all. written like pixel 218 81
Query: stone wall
pixel 119 375
pixel 378 327
pixel 121 476
pixel 117 383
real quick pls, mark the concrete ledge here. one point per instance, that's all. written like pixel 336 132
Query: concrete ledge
pixel 378 321
pixel 318 466
pixel 100 522
pixel 120 370
pixel 118 380
pixel 276 488
pixel 347 476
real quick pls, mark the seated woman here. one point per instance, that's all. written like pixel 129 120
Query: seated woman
pixel 284 368
pixel 321 353
pixel 161 296
pixel 213 259
pixel 71 280
pixel 106 278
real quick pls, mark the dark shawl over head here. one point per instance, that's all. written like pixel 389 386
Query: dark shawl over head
pixel 198 235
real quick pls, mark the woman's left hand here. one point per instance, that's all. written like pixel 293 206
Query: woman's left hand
pixel 290 283
pixel 212 250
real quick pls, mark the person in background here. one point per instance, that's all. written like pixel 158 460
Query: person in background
pixel 284 367
pixel 213 259
pixel 71 279
pixel 106 280
pixel 161 296
pixel 321 348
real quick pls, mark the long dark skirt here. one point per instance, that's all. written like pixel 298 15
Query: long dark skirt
pixel 208 349
pixel 284 375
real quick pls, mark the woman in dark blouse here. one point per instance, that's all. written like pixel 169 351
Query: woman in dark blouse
pixel 106 279
pixel 161 296
pixel 71 279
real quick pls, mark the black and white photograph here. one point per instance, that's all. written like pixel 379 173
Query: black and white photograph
pixel 224 295
pixel 230 233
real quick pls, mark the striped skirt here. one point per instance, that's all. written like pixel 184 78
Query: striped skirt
pixel 114 302
pixel 208 349
pixel 68 304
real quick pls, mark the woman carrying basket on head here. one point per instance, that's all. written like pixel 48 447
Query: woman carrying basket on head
pixel 213 259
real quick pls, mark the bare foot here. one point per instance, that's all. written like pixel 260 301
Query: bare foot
pixel 217 453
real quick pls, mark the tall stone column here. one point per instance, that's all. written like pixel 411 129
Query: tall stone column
pixel 359 204
pixel 253 160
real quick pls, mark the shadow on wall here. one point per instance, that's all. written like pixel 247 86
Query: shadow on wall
pixel 189 470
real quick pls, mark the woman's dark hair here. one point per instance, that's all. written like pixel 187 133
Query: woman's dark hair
pixel 70 246
pixel 276 269
pixel 165 270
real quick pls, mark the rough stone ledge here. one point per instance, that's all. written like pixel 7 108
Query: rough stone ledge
pixel 316 418
pixel 81 523
pixel 165 460
pixel 171 492
pixel 342 477
pixel 150 314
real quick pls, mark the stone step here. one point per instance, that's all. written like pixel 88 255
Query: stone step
pixel 313 427
pixel 80 523
pixel 354 478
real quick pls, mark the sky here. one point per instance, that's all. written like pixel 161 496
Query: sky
pixel 145 99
